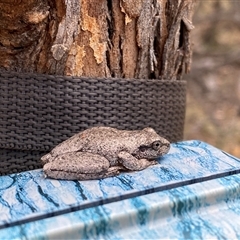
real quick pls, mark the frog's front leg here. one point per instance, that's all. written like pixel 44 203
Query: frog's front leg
pixel 134 164
pixel 79 166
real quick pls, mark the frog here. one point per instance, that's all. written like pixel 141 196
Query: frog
pixel 100 152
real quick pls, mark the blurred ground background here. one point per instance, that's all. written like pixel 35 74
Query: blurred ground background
pixel 213 100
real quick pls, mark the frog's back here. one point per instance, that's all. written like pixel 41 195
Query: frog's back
pixel 108 134
pixel 109 141
pixel 97 134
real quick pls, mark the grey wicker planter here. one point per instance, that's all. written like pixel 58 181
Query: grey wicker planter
pixel 39 111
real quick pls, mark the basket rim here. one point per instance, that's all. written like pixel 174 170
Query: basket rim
pixel 41 76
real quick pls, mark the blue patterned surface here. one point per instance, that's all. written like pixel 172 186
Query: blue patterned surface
pixel 176 208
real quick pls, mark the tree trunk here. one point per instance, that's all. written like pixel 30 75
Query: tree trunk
pixel 97 38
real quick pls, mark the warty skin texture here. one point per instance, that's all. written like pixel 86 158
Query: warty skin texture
pixel 101 152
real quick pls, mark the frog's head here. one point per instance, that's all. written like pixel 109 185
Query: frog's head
pixel 153 146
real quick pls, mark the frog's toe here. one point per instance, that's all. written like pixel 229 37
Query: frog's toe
pixel 46 158
pixel 154 162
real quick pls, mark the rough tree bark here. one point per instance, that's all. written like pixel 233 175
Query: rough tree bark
pixel 97 38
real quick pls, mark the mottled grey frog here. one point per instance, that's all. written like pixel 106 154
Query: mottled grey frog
pixel 101 152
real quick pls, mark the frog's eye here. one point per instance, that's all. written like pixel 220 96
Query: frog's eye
pixel 156 145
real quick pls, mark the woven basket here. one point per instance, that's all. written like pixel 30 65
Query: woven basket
pixel 39 111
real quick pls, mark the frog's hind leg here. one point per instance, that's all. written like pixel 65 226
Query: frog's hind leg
pixel 79 166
